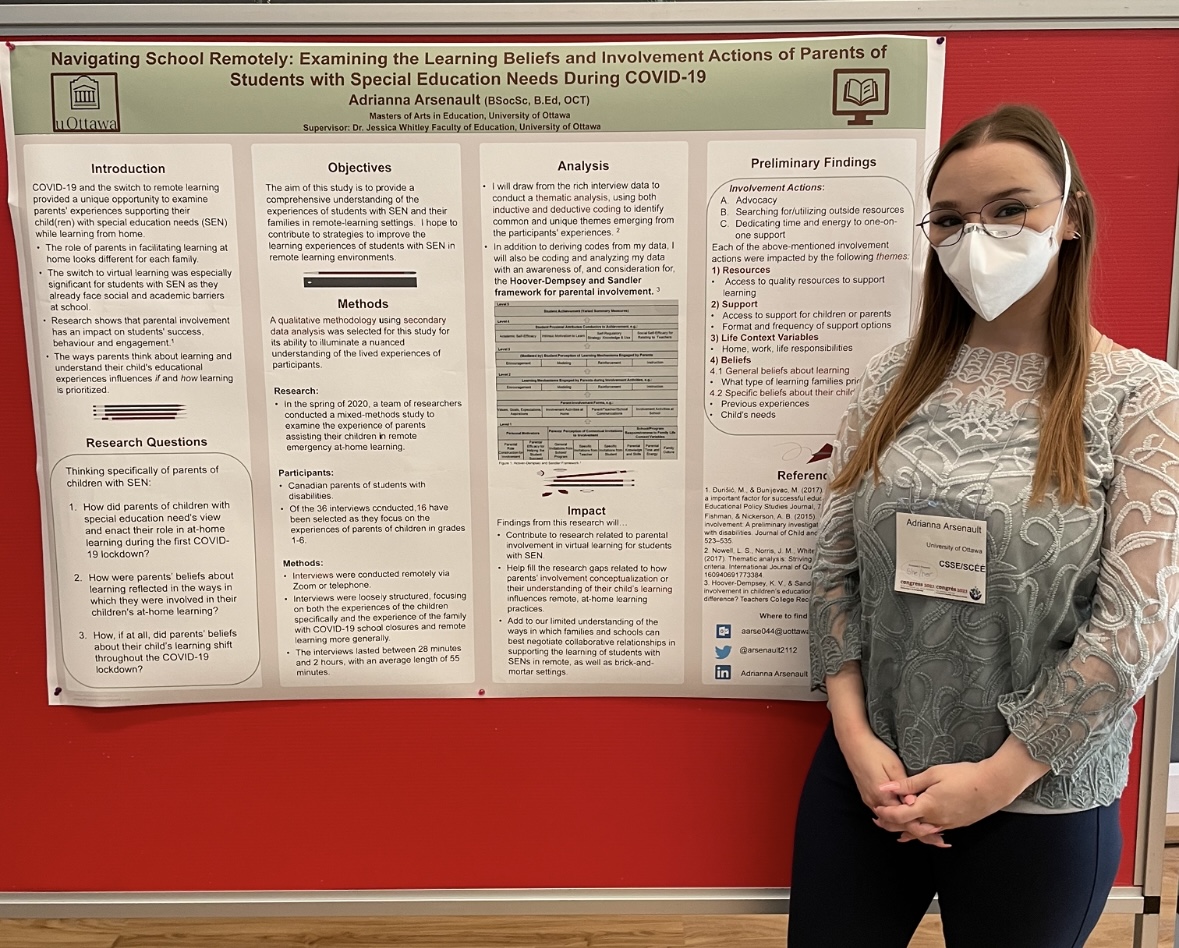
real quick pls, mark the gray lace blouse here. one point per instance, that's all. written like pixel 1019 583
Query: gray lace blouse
pixel 1082 608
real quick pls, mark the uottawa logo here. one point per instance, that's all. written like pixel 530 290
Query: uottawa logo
pixel 85 101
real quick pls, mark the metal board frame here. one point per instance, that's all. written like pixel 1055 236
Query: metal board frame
pixel 77 19
pixel 1123 900
pixel 673 17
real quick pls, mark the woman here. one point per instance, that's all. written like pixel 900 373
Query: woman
pixel 996 580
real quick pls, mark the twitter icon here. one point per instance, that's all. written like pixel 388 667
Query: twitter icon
pixel 722 651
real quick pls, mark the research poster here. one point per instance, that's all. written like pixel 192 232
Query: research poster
pixel 449 369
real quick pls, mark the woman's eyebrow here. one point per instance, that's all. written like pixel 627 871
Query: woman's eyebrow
pixel 997 196
pixel 1010 192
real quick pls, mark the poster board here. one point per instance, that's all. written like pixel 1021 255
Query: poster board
pixel 582 793
pixel 411 370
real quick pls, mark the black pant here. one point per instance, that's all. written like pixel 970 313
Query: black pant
pixel 1012 880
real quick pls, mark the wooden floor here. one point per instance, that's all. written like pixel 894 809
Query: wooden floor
pixel 606 931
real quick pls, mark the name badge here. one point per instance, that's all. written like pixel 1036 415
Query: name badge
pixel 943 557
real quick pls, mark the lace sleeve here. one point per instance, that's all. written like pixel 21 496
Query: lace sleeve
pixel 835 582
pixel 1078 698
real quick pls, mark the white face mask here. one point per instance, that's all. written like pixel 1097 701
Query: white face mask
pixel 992 273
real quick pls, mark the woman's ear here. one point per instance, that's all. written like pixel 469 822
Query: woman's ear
pixel 1072 228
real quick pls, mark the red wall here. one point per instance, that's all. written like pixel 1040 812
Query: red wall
pixel 507 793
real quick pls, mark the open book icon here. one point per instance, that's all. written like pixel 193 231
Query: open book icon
pixel 861 91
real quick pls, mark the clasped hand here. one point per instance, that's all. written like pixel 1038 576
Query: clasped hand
pixel 871 761
pixel 943 797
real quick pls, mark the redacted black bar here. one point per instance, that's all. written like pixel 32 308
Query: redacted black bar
pixel 327 281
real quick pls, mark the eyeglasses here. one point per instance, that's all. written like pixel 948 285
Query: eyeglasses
pixel 1002 218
